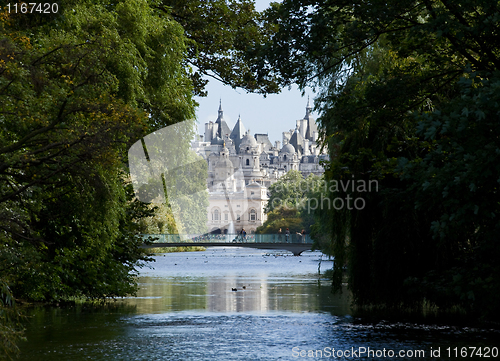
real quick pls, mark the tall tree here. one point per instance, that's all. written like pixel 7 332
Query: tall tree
pixel 76 90
pixel 220 34
pixel 401 84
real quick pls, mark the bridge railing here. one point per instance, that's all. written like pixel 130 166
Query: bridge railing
pixel 230 238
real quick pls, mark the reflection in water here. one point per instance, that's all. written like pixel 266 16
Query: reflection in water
pixel 237 294
pixel 186 309
pixel 238 280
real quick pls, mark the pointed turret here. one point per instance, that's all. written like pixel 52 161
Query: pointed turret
pixel 308 108
pixel 311 127
pixel 238 133
pixel 297 141
pixel 222 128
pixel 221 112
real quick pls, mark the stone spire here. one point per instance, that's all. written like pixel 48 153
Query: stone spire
pixel 308 108
pixel 238 133
pixel 297 141
pixel 311 126
pixel 221 112
pixel 222 128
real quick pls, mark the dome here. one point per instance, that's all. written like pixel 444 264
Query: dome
pixel 248 140
pixel 254 184
pixel 224 163
pixel 287 149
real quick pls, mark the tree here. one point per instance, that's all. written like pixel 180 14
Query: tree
pixel 11 331
pixel 402 83
pixel 286 192
pixel 221 33
pixel 76 91
pixel 459 178
pixel 289 203
pixel 282 218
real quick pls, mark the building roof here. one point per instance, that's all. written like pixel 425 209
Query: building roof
pixel 254 184
pixel 287 149
pixel 224 163
pixel 297 140
pixel 238 132
pixel 311 126
pixel 248 140
pixel 217 141
pixel 309 159
pixel 222 127
pixel 264 139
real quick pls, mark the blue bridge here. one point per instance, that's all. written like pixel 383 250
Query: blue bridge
pixel 295 243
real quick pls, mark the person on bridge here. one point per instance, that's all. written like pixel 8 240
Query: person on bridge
pixel 287 235
pixel 302 236
pixel 243 235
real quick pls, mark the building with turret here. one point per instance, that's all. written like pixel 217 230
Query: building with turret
pixel 242 166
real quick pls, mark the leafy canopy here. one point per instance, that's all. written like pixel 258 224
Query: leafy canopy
pixel 407 97
pixel 77 89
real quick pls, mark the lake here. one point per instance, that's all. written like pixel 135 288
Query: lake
pixel 239 304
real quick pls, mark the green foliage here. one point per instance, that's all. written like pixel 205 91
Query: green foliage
pixel 282 218
pixel 11 331
pixel 77 90
pixel 459 179
pixel 162 220
pixel 288 205
pixel 189 197
pixel 221 33
pixel 286 192
pixel 174 170
pixel 175 249
pixel 408 98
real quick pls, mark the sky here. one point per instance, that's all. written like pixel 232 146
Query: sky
pixel 272 115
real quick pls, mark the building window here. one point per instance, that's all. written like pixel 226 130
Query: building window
pixel 253 215
pixel 284 157
pixel 215 215
pixel 237 218
pixel 226 216
pixel 248 162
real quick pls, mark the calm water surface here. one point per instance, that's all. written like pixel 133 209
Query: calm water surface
pixel 236 304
